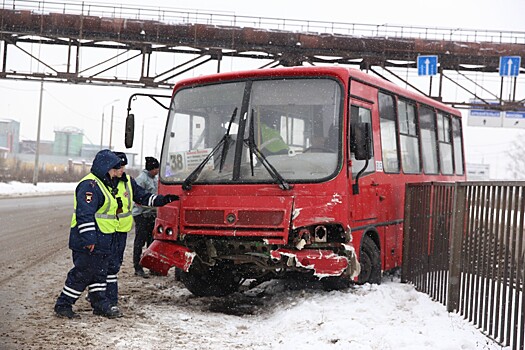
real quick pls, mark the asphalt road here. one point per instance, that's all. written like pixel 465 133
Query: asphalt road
pixel 32 229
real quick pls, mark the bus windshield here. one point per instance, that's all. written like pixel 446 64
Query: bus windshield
pixel 293 125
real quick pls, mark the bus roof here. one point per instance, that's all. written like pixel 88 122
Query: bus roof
pixel 336 71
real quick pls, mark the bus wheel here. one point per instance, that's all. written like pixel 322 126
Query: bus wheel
pixel 370 260
pixel 214 281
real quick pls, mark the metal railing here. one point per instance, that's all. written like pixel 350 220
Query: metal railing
pixel 218 18
pixel 464 245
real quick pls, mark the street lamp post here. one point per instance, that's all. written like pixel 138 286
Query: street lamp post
pixel 142 140
pixel 37 149
pixel 102 126
pixel 111 126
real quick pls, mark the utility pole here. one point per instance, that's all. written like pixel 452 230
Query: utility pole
pixel 142 141
pixel 102 132
pixel 102 126
pixel 156 146
pixel 37 149
pixel 111 126
pixel 142 146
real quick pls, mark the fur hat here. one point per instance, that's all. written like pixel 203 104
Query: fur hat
pixel 123 158
pixel 151 163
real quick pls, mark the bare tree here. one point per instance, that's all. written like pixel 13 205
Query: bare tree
pixel 516 152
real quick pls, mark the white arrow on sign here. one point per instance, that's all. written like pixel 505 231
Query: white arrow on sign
pixel 509 64
pixel 427 64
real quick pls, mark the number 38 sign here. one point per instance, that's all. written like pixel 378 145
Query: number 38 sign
pixel 177 161
pixel 189 160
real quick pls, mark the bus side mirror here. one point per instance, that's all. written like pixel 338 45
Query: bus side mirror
pixel 363 142
pixel 130 131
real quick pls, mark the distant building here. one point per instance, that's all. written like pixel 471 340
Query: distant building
pixel 68 142
pixel 9 135
pixel 3 152
pixel 29 147
pixel 478 172
pixel 67 148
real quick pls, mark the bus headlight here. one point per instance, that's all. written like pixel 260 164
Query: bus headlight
pixel 320 233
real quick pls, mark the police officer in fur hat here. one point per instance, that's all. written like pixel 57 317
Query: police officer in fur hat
pixel 128 193
pixel 91 235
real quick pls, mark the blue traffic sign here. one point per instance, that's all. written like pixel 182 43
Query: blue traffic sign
pixel 509 66
pixel 483 112
pixel 515 115
pixel 427 65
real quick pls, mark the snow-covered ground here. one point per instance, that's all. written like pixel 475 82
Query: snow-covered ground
pixel 387 316
pixel 16 189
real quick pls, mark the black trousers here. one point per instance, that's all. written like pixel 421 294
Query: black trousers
pixel 89 271
pixel 144 225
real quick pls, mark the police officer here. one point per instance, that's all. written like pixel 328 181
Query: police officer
pixel 93 225
pixel 128 192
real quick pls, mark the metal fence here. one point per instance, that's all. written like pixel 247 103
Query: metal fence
pixel 464 246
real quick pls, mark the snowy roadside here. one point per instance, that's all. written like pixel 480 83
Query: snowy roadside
pixel 19 189
pixel 161 314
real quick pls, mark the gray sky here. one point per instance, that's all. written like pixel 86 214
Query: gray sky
pixel 82 106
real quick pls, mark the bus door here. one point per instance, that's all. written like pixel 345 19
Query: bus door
pixel 364 209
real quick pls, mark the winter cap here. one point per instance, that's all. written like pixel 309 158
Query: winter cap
pixel 123 158
pixel 103 162
pixel 151 163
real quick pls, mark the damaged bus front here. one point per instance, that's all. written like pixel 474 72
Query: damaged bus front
pixel 259 162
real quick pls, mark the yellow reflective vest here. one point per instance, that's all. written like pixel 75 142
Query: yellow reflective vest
pixel 125 192
pixel 106 215
pixel 272 140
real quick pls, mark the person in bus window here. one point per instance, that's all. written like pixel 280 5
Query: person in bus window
pixel 271 141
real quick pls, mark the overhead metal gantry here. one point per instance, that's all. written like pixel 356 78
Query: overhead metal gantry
pixel 136 35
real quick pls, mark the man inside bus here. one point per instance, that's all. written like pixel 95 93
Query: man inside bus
pixel 271 141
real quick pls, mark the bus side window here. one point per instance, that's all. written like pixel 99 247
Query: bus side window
pixel 360 115
pixel 408 137
pixel 387 121
pixel 427 124
pixel 458 145
pixel 445 144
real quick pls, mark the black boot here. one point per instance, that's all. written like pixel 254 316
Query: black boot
pixel 65 311
pixel 140 272
pixel 112 312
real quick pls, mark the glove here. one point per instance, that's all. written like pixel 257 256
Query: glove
pixel 170 198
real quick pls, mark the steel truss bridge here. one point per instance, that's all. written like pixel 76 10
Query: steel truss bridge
pixel 140 35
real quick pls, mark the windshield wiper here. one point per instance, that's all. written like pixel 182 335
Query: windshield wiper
pixel 225 142
pixel 254 150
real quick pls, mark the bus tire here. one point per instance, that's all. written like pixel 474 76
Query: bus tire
pixel 210 282
pixel 370 260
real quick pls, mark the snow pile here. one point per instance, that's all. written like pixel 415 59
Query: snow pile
pixel 16 188
pixel 389 316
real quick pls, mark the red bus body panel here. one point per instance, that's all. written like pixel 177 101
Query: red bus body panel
pixel 266 211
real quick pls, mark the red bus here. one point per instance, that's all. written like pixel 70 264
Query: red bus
pixel 299 169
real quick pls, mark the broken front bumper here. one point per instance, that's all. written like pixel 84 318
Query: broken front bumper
pixel 162 255
pixel 324 263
